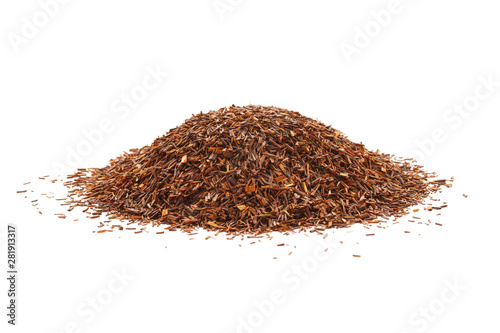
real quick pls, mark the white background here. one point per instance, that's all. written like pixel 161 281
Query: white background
pixel 394 92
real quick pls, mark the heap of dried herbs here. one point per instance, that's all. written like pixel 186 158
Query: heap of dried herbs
pixel 252 169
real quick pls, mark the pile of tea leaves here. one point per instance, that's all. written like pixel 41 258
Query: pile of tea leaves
pixel 252 170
